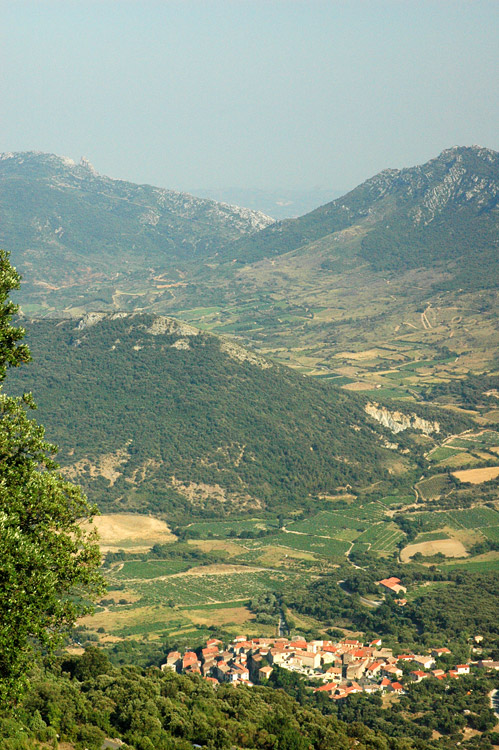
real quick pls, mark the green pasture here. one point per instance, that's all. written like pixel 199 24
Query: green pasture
pixel 440 454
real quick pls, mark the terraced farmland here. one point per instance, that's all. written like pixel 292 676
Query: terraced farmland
pixel 206 588
pixel 475 518
pixel 383 537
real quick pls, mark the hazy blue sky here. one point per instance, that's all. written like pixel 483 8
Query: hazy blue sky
pixel 252 93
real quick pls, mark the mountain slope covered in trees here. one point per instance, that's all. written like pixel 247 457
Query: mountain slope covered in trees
pixel 151 413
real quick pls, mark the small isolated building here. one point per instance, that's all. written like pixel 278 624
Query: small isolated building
pixel 392 585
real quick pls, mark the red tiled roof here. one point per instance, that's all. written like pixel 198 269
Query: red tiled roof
pixel 326 688
pixel 392 581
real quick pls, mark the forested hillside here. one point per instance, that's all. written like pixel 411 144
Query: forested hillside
pixel 152 710
pixel 150 413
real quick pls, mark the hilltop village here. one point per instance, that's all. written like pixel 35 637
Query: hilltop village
pixel 344 667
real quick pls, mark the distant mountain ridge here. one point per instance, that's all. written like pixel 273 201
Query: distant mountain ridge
pixel 64 223
pixel 450 201
pixel 356 273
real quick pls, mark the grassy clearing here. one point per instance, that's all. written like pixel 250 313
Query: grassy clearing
pixel 218 545
pixel 447 547
pixel 277 556
pixel 460 460
pixel 221 616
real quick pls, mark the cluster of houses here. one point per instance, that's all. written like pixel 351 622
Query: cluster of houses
pixel 345 667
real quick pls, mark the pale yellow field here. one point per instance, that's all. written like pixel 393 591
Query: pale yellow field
pixel 130 531
pixel 281 555
pixel 358 386
pixel 459 459
pixel 236 615
pixel 448 547
pixel 477 476
pixel 208 545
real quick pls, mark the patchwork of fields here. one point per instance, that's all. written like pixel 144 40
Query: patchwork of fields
pixel 220 566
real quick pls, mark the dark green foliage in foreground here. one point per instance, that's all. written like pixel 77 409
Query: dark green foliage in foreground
pixel 48 563
pixel 151 710
pixel 465 605
pixel 194 413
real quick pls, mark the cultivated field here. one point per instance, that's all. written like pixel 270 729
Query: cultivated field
pixel 131 532
pixel 209 529
pixel 477 476
pixel 447 547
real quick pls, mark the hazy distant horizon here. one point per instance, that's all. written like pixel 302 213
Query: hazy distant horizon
pixel 266 95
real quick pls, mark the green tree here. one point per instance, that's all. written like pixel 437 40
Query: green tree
pixel 48 561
